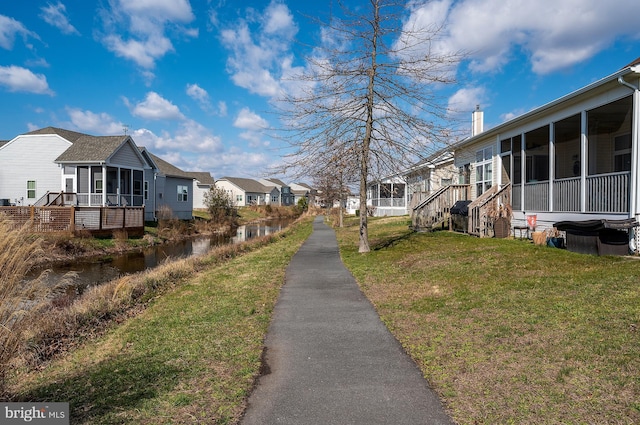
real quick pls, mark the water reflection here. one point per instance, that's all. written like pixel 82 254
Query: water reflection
pixel 93 273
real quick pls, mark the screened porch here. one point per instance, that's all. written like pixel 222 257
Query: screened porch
pixel 107 186
pixel 580 164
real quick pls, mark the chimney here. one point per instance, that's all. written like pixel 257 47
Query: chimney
pixel 477 121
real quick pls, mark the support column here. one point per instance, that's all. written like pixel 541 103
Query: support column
pixel 584 159
pixel 552 163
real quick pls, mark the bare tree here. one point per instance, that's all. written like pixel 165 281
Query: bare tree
pixel 370 88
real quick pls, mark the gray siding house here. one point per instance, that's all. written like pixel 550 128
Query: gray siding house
pixel 100 170
pixel 173 188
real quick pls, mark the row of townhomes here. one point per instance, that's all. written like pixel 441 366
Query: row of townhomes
pixel 245 192
pixel 53 166
pixel 573 160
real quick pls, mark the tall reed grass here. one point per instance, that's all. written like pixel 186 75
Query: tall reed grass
pixel 20 300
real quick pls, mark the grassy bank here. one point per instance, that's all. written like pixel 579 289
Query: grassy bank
pixel 505 331
pixel 190 356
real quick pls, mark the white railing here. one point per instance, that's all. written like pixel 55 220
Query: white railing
pixel 536 196
pixel 608 192
pixel 566 195
pixel 388 202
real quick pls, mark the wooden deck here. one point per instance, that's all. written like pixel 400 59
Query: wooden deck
pixel 96 220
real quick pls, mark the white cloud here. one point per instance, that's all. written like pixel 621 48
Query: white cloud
pixel 143 53
pixel 197 93
pixel 55 15
pixel 222 108
pixel 135 29
pixel 9 28
pixel 259 48
pixel 155 107
pixel 191 137
pixel 200 95
pixel 95 123
pixel 249 120
pixel 18 79
pixel 554 34
pixel 465 100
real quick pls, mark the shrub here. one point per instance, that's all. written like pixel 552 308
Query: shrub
pixel 220 206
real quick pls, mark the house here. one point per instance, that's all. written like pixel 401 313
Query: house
pixel 245 192
pixel 97 170
pixel 287 197
pixel 172 188
pixel 573 159
pixel 202 183
pixel 303 190
pixel 398 194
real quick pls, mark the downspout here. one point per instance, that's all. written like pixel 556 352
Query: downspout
pixel 634 241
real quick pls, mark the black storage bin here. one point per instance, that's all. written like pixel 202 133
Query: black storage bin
pixel 597 237
pixel 460 216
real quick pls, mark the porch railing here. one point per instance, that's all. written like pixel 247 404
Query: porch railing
pixel 486 207
pixel 608 192
pixel 436 207
pixel 537 196
pixel 605 193
pixel 113 199
pixel 566 195
pixel 388 202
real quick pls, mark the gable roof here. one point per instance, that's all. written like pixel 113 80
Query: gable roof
pixel 203 177
pixel 69 135
pixel 248 185
pixel 278 182
pixel 169 169
pixel 92 148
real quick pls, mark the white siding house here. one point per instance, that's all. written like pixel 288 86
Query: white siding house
pixel 28 171
pixel 574 159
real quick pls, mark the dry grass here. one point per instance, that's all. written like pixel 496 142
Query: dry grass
pixel 20 301
pixel 190 354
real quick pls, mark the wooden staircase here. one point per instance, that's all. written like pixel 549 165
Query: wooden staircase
pixel 433 212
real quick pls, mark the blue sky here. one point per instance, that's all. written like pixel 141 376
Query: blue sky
pixel 193 80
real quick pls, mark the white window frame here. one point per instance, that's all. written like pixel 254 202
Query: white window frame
pixel 32 190
pixel 183 193
pixel 484 170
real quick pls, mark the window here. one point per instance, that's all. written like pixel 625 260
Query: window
pixel 183 193
pixel 238 198
pixel 484 170
pixel 98 185
pixel 31 189
pixel 622 153
pixel 146 190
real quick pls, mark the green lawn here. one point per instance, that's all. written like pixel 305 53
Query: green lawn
pixel 506 331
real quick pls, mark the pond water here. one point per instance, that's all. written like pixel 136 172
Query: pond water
pixel 96 272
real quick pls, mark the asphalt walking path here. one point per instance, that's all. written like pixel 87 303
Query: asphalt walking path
pixel 329 359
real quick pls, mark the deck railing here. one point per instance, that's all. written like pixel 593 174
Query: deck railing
pixel 73 219
pixel 436 207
